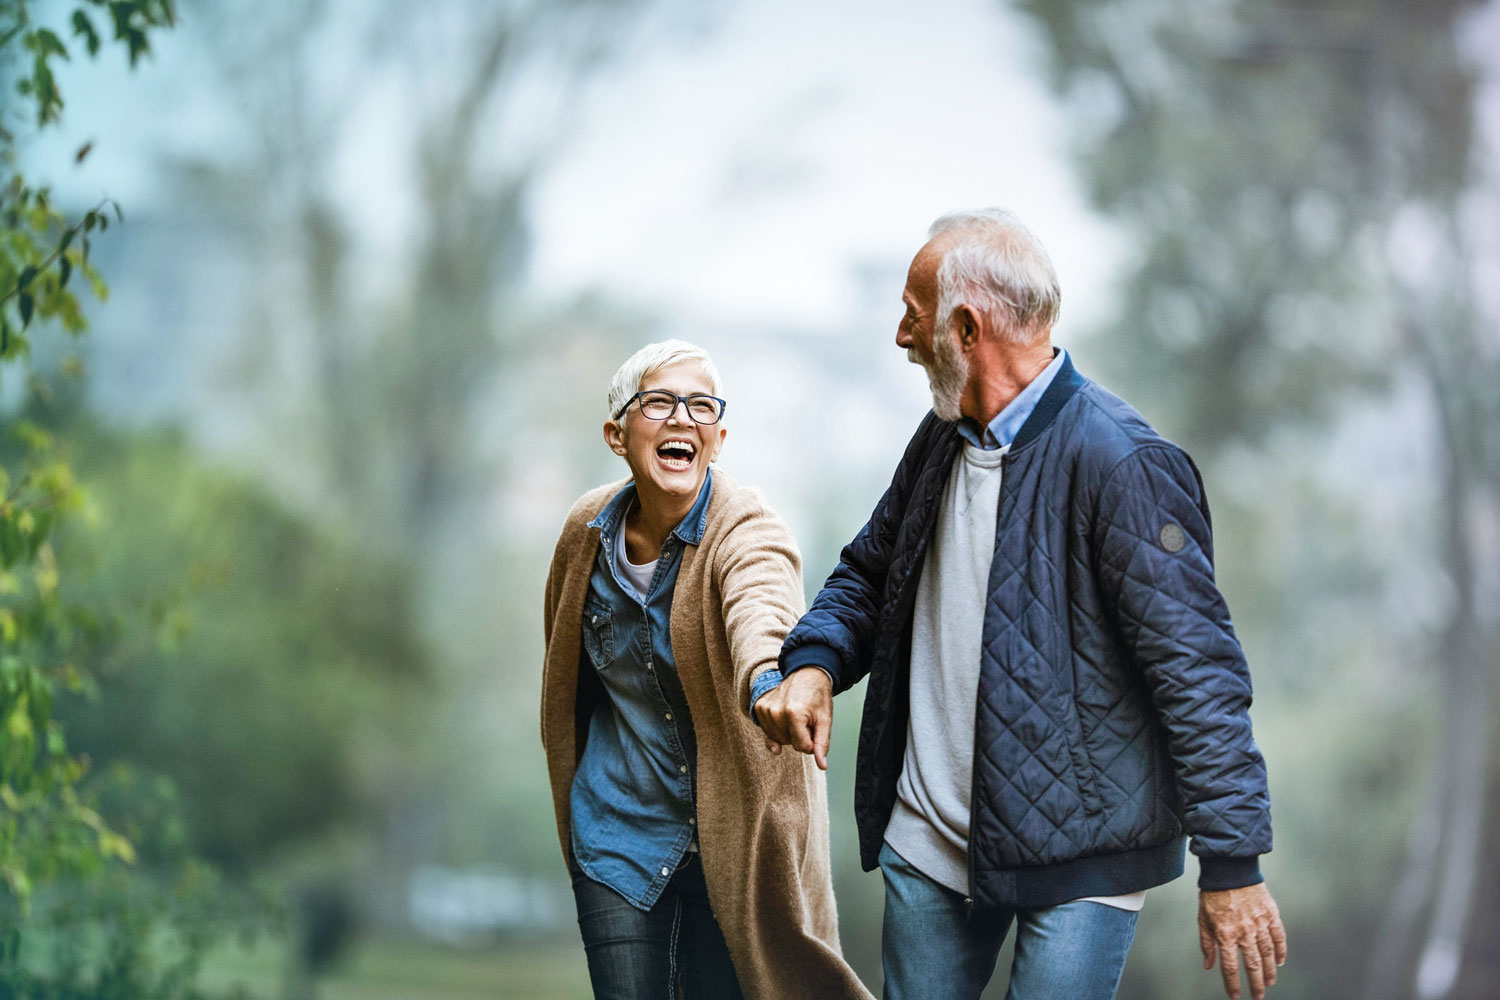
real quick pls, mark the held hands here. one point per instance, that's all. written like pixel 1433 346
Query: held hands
pixel 1246 920
pixel 799 714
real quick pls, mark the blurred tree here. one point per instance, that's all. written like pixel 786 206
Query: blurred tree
pixel 400 375
pixel 428 355
pixel 1298 186
pixel 282 676
pixel 75 922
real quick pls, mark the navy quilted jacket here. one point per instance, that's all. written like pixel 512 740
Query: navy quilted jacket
pixel 1113 707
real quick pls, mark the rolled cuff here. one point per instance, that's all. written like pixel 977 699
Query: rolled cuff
pixel 765 681
pixel 1215 874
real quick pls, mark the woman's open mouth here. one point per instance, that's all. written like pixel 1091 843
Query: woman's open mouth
pixel 676 455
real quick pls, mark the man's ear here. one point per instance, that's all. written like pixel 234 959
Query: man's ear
pixel 614 437
pixel 968 324
pixel 719 443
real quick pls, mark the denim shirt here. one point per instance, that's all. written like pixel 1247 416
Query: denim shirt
pixel 1000 432
pixel 633 795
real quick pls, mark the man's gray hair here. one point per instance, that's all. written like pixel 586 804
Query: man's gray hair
pixel 996 265
pixel 653 357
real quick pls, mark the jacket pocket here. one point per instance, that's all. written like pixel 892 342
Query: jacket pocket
pixel 598 635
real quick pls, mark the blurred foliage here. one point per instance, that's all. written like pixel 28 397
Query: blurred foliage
pixel 76 920
pixel 281 669
pixel 49 829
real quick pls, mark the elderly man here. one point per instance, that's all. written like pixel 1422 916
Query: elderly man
pixel 1056 692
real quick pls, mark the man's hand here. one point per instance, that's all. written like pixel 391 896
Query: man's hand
pixel 799 713
pixel 1246 920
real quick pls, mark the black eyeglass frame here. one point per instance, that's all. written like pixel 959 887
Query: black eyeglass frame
pixel 678 401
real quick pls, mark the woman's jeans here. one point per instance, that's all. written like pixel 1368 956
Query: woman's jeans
pixel 932 947
pixel 674 950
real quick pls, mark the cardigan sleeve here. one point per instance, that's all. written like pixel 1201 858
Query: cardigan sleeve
pixel 759 575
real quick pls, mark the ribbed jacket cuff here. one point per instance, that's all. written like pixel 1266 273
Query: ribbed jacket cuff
pixel 814 654
pixel 1215 874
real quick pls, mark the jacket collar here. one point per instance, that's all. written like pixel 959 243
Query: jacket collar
pixel 1067 382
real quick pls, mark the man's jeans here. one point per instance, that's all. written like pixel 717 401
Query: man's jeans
pixel 640 955
pixel 932 948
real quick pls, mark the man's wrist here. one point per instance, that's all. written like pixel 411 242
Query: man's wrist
pixel 1218 874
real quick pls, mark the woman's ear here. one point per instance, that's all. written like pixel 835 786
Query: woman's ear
pixel 614 436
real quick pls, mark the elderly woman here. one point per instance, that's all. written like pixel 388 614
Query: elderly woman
pixel 699 861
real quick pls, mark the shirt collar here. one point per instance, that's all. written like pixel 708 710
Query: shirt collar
pixel 690 529
pixel 1007 423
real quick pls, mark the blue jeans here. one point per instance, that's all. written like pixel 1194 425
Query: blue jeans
pixel 932 948
pixel 673 950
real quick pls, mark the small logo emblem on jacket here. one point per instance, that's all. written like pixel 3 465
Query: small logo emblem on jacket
pixel 1172 537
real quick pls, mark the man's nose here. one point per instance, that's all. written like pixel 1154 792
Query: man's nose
pixel 903 336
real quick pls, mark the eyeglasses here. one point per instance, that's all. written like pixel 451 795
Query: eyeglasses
pixel 658 404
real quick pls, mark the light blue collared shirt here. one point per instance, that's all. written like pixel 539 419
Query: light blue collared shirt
pixel 1008 422
pixel 997 434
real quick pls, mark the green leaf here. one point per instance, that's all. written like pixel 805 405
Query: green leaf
pixel 49 42
pixel 64 272
pixel 84 27
pixel 27 274
pixel 25 305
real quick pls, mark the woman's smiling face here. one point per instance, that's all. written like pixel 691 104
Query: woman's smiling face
pixel 668 457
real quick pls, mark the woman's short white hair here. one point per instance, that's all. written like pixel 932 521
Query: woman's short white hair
pixel 996 265
pixel 653 357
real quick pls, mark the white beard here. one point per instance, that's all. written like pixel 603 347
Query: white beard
pixel 946 376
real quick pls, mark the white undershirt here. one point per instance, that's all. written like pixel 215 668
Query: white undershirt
pixel 638 577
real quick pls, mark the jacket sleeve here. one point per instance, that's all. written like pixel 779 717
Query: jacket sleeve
pixel 759 575
pixel 838 631
pixel 1154 549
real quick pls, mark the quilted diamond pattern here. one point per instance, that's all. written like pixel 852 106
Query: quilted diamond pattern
pixel 1113 701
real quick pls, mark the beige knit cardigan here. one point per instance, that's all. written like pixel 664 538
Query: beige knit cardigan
pixel 762 819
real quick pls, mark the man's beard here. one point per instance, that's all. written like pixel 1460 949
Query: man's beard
pixel 947 375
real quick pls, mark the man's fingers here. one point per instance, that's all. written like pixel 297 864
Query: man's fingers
pixel 1278 938
pixel 774 747
pixel 1229 963
pixel 800 735
pixel 822 728
pixel 1254 973
pixel 1206 942
pixel 1267 956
